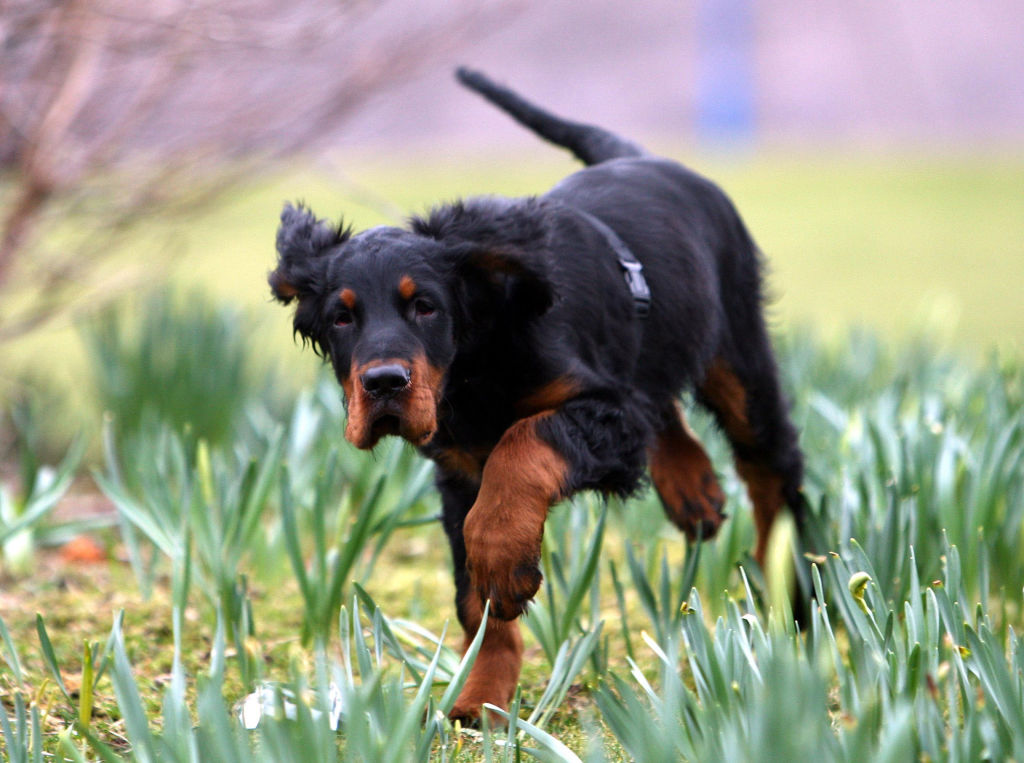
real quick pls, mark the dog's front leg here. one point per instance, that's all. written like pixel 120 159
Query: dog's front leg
pixel 495 672
pixel 522 478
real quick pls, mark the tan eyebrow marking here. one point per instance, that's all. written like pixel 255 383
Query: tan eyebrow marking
pixel 406 287
pixel 348 298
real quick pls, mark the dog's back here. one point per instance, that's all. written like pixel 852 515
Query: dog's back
pixel 678 224
pixel 705 327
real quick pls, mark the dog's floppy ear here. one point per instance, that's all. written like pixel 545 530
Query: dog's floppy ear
pixel 302 242
pixel 515 281
pixel 497 249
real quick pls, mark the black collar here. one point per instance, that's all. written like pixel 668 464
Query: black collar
pixel 632 270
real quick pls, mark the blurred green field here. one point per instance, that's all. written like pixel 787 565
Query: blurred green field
pixel 904 243
pixel 245 547
pixel 246 520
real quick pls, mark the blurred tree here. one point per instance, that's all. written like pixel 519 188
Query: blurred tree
pixel 112 111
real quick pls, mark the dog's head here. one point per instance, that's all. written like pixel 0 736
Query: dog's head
pixel 390 308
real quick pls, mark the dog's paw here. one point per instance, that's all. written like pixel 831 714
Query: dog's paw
pixel 493 689
pixel 502 569
pixel 700 508
pixel 509 592
pixel 466 713
pixel 494 675
pixel 469 714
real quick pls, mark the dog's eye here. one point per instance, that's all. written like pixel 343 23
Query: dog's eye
pixel 343 318
pixel 423 307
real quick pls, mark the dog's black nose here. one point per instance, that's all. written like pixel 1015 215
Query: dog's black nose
pixel 386 380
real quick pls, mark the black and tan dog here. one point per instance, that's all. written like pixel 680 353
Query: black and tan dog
pixel 517 344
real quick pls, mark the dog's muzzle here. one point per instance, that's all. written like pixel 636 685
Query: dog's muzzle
pixel 392 396
pixel 386 381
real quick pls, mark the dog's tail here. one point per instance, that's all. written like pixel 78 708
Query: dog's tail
pixel 592 145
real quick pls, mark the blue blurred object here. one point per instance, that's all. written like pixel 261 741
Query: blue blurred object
pixel 725 71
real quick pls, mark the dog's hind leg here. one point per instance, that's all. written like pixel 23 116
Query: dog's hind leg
pixel 684 479
pixel 748 404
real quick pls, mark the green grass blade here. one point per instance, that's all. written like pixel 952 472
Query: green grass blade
pixel 14 738
pixel 50 657
pixel 451 693
pixel 292 542
pixel 12 653
pixel 130 704
pixel 85 693
pixel 581 583
pixel 551 748
pixel 400 736
pixel 97 745
pixel 108 650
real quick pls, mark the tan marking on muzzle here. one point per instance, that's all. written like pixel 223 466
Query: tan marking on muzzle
pixel 424 394
pixel 416 404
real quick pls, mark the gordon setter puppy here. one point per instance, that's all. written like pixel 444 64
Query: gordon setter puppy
pixel 518 344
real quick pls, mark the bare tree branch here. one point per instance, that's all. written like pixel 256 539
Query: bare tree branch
pixel 167 103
